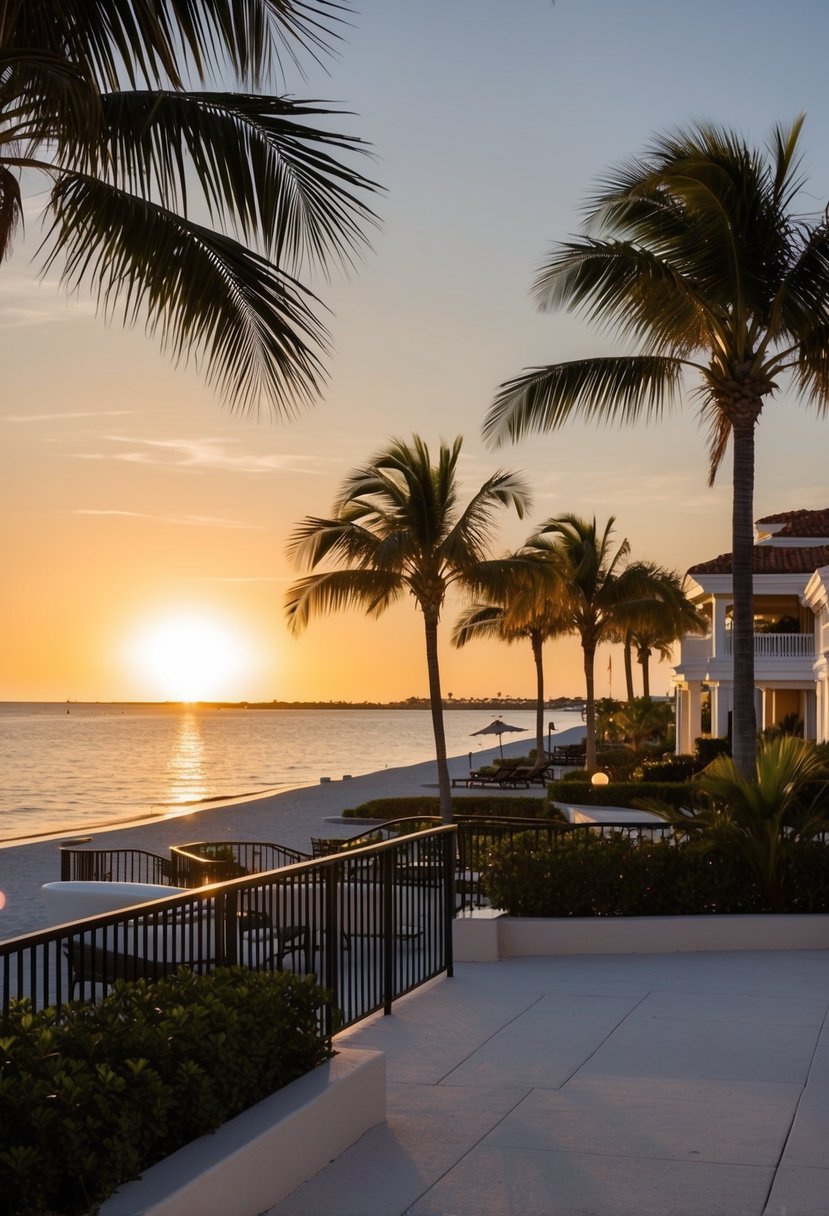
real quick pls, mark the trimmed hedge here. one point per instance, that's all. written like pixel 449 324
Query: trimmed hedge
pixel 593 877
pixel 621 793
pixel 91 1098
pixel 485 805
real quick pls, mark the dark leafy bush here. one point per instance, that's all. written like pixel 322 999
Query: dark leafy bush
pixel 707 749
pixel 666 768
pixel 90 1099
pixel 592 877
pixel 471 804
pixel 618 793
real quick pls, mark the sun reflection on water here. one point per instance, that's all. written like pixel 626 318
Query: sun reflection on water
pixel 186 769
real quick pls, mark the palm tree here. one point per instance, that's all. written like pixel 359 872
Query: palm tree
pixel 601 589
pixel 658 623
pixel 96 99
pixel 530 608
pixel 696 251
pixel 398 527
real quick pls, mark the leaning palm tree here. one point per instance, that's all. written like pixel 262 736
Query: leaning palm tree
pixel 193 208
pixel 601 588
pixel 531 608
pixel 696 251
pixel 398 527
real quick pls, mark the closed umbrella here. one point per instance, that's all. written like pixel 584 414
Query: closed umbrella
pixel 500 729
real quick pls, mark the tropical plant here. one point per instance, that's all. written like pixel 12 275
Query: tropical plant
pixel 642 719
pixel 600 586
pixel 657 623
pixel 98 100
pixel 695 250
pixel 398 527
pixel 758 818
pixel 530 608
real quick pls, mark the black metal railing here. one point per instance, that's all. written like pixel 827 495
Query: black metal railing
pixel 114 865
pixel 196 865
pixel 371 925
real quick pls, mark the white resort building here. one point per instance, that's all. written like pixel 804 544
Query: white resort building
pixel 791 632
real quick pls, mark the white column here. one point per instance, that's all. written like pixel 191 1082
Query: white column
pixel 694 716
pixel 720 604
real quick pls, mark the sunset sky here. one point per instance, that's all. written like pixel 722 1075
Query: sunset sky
pixel 144 525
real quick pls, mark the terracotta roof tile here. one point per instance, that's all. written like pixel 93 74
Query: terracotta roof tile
pixel 800 523
pixel 771 559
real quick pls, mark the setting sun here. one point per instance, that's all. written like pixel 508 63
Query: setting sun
pixel 190 657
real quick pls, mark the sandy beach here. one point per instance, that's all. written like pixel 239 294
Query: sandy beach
pixel 290 818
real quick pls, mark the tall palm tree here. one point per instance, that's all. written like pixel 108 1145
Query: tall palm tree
pixel 398 527
pixel 695 250
pixel 530 608
pixel 602 586
pixel 193 208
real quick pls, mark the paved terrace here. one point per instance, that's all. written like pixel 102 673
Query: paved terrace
pixel 683 1084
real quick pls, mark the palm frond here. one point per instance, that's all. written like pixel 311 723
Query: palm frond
pixel 11 209
pixel 147 41
pixel 613 389
pixel 249 324
pixel 372 591
pixel 467 540
pixel 259 166
pixel 631 291
pixel 314 540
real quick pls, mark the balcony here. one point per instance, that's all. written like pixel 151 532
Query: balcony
pixel 779 645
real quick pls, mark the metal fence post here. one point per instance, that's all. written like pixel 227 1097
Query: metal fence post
pixel 331 876
pixel 387 866
pixel 449 847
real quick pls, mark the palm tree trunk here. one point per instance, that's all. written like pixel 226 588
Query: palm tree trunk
pixel 744 725
pixel 589 652
pixel 644 656
pixel 628 664
pixel 436 706
pixel 538 658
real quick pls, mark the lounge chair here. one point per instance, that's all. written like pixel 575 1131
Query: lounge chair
pixel 502 776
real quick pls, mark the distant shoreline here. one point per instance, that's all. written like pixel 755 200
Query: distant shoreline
pixel 495 707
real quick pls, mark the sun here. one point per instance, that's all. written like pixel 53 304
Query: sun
pixel 190 656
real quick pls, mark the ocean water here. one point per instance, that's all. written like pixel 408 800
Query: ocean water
pixel 74 767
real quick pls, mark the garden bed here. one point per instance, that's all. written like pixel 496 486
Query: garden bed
pixel 255 1160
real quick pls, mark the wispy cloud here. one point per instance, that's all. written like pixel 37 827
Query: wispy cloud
pixel 208 454
pixel 61 416
pixel 26 302
pixel 194 521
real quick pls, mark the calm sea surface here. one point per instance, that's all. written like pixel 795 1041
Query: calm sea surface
pixel 70 767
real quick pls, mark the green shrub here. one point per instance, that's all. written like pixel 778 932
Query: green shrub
pixel 707 749
pixel 423 805
pixel 620 793
pixel 666 768
pixel 91 1098
pixel 588 876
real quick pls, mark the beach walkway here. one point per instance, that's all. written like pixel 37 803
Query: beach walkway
pixel 639 1085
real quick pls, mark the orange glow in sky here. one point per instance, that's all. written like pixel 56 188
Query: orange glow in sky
pixel 143 527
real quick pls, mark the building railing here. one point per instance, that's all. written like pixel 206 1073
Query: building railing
pixel 766 646
pixel 778 645
pixel 370 924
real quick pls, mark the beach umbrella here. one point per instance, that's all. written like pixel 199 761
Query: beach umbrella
pixel 500 729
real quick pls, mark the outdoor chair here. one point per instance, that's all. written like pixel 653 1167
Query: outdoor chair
pixel 502 776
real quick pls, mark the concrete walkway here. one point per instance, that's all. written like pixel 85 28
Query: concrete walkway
pixel 638 1085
